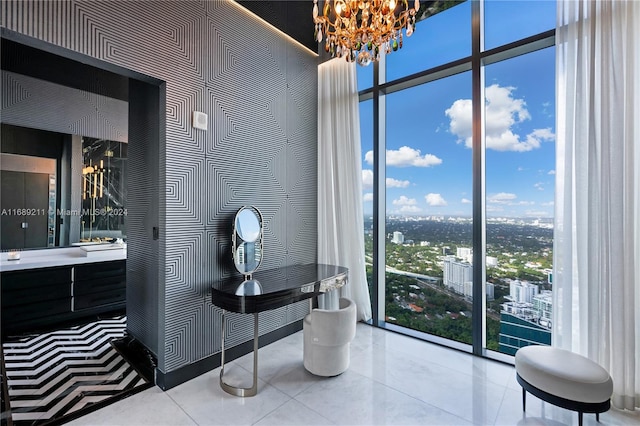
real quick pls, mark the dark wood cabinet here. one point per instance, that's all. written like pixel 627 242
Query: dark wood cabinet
pixel 31 298
pixel 38 299
pixel 99 285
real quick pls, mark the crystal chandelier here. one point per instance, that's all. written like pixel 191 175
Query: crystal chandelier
pixel 361 30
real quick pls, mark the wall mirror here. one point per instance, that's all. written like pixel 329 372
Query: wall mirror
pixel 247 241
pixel 63 151
pixel 60 190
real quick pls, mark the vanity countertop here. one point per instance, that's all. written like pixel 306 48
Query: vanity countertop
pixel 47 258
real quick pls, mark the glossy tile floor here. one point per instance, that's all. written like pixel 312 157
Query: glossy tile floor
pixel 392 380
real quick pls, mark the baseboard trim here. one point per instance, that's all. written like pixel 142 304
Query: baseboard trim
pixel 174 378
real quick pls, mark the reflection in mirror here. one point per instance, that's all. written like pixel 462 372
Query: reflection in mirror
pixel 247 240
pixel 249 288
pixel 103 190
pixel 47 111
pixel 247 225
pixel 60 189
pixel 246 258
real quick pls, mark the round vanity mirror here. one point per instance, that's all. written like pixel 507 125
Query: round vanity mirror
pixel 247 240
pixel 248 224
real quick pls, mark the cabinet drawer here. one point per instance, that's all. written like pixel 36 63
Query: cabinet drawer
pixel 81 288
pixel 34 278
pixel 99 299
pixel 100 270
pixel 12 316
pixel 29 295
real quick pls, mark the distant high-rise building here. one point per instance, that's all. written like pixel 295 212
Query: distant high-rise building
pixel 489 289
pixel 543 305
pixel 398 238
pixel 491 261
pixel 516 333
pixel 464 253
pixel 526 320
pixel 522 291
pixel 456 274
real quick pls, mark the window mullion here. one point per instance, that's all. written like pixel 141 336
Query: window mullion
pixel 479 225
pixel 379 195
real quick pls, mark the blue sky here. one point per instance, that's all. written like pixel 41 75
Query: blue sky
pixel 428 127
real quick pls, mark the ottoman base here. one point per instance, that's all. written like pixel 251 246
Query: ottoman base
pixel 580 407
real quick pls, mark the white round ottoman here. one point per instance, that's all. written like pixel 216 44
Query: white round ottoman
pixel 563 378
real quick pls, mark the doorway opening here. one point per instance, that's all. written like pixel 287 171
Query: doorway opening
pixel 110 122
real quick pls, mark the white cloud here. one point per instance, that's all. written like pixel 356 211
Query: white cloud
pixel 551 172
pixel 460 120
pixel 539 186
pixel 520 169
pixel 368 157
pixel 502 113
pixel 506 199
pixel 405 157
pixel 410 209
pixel 435 200
pixel 501 198
pixel 404 201
pixel 367 179
pixel 465 201
pixel 367 197
pixel 548 204
pixel 395 183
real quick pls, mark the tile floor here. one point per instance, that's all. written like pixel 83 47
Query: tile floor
pixel 59 373
pixel 392 380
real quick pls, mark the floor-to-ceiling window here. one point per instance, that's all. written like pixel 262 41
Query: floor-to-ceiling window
pixel 458 159
pixel 428 176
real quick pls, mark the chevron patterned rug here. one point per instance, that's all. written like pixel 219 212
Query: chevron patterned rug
pixel 56 376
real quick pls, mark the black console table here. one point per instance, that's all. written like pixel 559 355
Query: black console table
pixel 271 289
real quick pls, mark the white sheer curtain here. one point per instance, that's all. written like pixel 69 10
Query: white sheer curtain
pixel 597 241
pixel 340 216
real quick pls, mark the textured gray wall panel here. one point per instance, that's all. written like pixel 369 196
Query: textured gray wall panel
pixel 31 102
pixel 259 91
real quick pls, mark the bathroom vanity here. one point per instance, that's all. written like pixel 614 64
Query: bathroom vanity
pixel 45 288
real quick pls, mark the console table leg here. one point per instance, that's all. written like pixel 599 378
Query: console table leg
pixel 238 391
